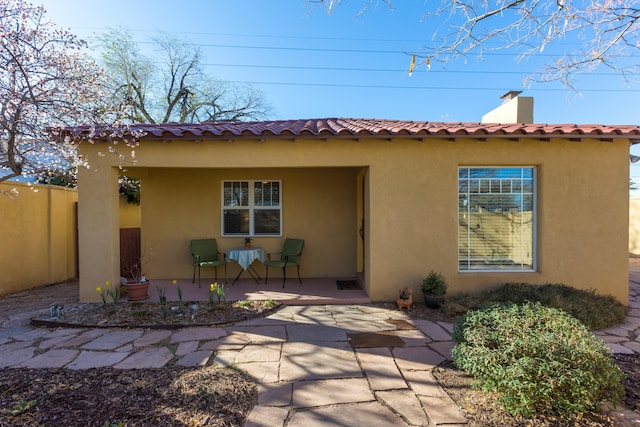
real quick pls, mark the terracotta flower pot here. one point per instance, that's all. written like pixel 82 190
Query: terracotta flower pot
pixel 404 303
pixel 405 298
pixel 137 291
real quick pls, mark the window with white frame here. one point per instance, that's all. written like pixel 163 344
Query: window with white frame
pixel 251 208
pixel 496 218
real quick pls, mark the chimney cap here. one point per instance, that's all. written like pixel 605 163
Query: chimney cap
pixel 510 95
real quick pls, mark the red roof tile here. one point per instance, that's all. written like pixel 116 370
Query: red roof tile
pixel 359 128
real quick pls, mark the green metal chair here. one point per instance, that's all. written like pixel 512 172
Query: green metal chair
pixel 205 254
pixel 289 257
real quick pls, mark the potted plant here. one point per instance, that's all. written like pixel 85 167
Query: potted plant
pixel 247 242
pixel 136 283
pixel 434 288
pixel 405 298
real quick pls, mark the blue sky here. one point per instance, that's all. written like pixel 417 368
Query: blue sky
pixel 311 64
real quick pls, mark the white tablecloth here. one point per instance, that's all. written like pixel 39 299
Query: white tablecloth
pixel 245 257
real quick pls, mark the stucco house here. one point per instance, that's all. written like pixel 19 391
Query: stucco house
pixel 384 201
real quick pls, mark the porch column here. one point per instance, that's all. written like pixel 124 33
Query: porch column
pixel 98 230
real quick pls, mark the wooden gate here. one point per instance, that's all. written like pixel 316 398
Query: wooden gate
pixel 129 251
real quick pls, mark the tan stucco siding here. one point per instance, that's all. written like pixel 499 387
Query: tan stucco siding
pixel 129 214
pixel 38 236
pixel 318 205
pixel 634 226
pixel 98 227
pixel 410 203
pixel 582 214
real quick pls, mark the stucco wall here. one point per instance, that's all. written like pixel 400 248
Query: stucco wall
pixel 38 236
pixel 515 110
pixel 130 216
pixel 634 226
pixel 411 199
pixel 318 206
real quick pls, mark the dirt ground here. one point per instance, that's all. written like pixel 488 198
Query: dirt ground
pixel 207 396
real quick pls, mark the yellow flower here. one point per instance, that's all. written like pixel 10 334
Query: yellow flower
pixel 108 283
pixel 175 282
pixel 99 290
pixel 212 287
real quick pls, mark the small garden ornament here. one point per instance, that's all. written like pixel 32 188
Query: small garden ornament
pixel 405 298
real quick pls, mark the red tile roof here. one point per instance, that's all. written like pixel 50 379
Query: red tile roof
pixel 364 128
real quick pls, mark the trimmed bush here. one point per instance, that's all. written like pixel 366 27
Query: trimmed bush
pixel 593 310
pixel 537 358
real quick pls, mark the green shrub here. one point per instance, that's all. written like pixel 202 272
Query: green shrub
pixel 537 358
pixel 434 284
pixel 459 304
pixel 593 310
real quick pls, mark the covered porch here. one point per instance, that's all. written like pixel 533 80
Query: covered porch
pixel 323 290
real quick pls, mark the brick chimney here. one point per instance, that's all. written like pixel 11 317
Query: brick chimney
pixel 514 109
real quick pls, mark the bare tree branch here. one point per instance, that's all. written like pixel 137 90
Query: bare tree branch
pixel 611 29
pixel 176 91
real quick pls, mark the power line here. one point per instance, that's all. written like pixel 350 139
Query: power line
pixel 297 37
pixel 394 70
pixel 343 50
pixel 466 89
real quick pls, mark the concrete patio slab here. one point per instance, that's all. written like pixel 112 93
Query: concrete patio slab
pixel 50 359
pixel 366 414
pixel 262 334
pixel 53 342
pixel 266 416
pixel 233 341
pixel 186 347
pixel 113 340
pixel 151 338
pixel 263 372
pixel 416 358
pixel 197 334
pixel 63 332
pixel 620 349
pixel 443 347
pixel 149 357
pixel 31 335
pixel 433 330
pixel 83 338
pixel 381 369
pixel 423 383
pixel 405 404
pixel 413 338
pixel 277 394
pixel 364 326
pixel 442 411
pixel 225 358
pixel 316 361
pixel 16 357
pixel 315 333
pixel 96 359
pixel 16 345
pixel 127 348
pixel 633 345
pixel 10 332
pixel 259 353
pixel 308 394
pixel 196 358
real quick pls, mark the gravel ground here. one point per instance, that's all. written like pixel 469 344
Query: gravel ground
pixel 210 396
pixel 170 396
